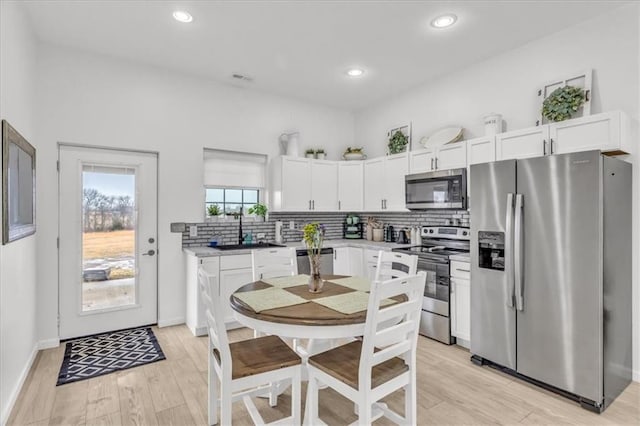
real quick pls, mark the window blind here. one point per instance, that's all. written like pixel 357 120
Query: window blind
pixel 234 169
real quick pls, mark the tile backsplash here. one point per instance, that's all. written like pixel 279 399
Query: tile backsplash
pixel 227 231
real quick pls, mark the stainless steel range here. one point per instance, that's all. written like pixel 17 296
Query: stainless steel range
pixel 438 243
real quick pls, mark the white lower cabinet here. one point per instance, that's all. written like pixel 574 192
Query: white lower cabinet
pixel 348 261
pixel 370 263
pixel 460 302
pixel 230 272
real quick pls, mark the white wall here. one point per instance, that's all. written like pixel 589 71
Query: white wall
pixel 95 100
pixel 507 84
pixel 17 268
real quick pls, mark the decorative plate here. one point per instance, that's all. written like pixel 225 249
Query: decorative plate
pixel 442 137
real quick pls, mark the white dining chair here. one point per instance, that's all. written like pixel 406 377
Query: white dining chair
pixel 395 265
pixel 247 368
pixel 384 361
pixel 270 263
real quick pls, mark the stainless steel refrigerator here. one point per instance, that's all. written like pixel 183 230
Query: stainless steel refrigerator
pixel 551 272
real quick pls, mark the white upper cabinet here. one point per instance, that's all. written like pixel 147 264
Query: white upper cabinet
pixel 524 143
pixel 384 183
pixel 449 156
pixel 395 169
pixel 374 184
pixel 324 186
pixel 350 186
pixel 606 132
pixel 296 184
pixel 481 150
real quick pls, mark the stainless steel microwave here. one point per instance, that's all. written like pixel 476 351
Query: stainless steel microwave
pixel 442 189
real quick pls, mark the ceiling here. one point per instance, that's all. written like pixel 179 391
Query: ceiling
pixel 302 48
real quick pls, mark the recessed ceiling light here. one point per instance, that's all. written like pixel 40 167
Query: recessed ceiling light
pixel 355 72
pixel 444 21
pixel 182 16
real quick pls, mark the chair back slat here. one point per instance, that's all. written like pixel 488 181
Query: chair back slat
pixel 383 338
pixel 395 265
pixel 209 291
pixel 277 262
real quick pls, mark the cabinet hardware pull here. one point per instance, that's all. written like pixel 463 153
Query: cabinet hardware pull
pixel 463 270
pixel 544 147
pixel 436 163
pixel 313 204
pixel 551 144
pixel 432 164
pixel 339 205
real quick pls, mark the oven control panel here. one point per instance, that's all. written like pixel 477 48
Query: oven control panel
pixel 451 232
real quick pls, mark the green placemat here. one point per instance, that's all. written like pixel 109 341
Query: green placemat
pixel 269 298
pixel 287 281
pixel 356 283
pixel 349 303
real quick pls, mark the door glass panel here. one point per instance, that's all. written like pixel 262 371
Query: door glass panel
pixel 108 237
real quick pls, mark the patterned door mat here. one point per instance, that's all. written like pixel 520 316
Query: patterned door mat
pixel 101 354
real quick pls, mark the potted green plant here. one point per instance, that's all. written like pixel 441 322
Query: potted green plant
pixel 213 211
pixel 562 103
pixel 320 154
pixel 310 153
pixel 260 210
pixel 398 142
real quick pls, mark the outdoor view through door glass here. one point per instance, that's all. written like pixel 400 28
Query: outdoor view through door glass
pixel 108 237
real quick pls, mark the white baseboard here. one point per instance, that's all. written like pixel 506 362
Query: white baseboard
pixel 170 322
pixel 18 387
pixel 48 344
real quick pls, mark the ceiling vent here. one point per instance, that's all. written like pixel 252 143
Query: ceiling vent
pixel 241 77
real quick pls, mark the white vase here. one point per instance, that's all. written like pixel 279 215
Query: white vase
pixel 292 145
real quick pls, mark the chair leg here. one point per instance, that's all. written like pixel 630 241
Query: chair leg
pixel 364 409
pixel 410 400
pixel 273 394
pixel 212 390
pixel 225 402
pixel 311 406
pixel 296 396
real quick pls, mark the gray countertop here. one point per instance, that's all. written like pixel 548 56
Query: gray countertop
pixel 372 245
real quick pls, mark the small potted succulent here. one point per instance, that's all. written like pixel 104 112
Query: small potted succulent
pixel 320 154
pixel 310 153
pixel 260 210
pixel 213 212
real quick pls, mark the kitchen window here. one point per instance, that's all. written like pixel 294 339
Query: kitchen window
pixel 233 180
pixel 230 200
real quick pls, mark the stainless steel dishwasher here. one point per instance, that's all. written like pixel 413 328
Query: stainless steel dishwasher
pixel 326 261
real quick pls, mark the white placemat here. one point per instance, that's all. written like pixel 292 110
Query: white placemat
pixel 287 281
pixel 349 303
pixel 355 282
pixel 269 298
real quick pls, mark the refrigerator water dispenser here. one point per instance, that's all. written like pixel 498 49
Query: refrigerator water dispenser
pixel 491 250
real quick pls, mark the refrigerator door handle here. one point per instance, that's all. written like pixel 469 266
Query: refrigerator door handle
pixel 518 253
pixel 508 252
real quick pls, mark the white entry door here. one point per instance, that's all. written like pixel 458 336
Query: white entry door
pixel 108 240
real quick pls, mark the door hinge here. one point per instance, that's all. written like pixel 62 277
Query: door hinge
pixel 58 165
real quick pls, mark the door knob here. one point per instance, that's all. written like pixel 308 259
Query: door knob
pixel 149 253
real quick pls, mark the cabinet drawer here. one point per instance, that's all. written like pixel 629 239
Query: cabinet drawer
pixel 238 261
pixel 371 256
pixel 460 269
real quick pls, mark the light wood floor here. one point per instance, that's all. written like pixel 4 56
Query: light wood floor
pixel 451 390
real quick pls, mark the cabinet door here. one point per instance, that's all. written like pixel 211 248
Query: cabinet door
pixel 601 131
pixel 481 150
pixel 461 312
pixel 296 184
pixel 452 156
pixel 526 143
pixel 230 281
pixel 341 263
pixel 422 161
pixel 396 168
pixel 324 186
pixel 356 261
pixel 350 186
pixel 373 184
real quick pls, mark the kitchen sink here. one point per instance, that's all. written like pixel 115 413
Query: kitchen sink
pixel 247 246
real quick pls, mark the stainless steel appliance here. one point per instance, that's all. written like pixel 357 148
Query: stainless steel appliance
pixel 438 243
pixel 326 261
pixel 551 272
pixel 444 189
